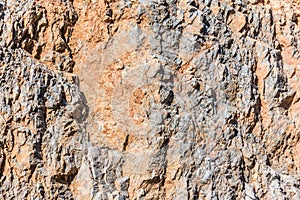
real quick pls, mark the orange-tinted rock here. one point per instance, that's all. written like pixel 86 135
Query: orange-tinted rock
pixel 149 99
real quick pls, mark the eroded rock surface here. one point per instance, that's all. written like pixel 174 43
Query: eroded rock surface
pixel 150 99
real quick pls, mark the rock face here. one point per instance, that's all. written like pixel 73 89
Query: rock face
pixel 150 99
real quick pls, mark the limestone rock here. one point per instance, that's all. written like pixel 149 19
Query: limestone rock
pixel 149 99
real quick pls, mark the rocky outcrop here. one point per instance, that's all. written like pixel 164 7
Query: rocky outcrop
pixel 149 99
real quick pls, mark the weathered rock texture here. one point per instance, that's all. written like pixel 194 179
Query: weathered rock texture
pixel 149 99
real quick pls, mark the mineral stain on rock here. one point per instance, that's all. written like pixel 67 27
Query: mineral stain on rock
pixel 173 99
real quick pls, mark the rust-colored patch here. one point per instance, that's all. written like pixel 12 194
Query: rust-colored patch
pixel 288 58
pixel 296 155
pixel 236 22
pixel 215 10
pixel 261 73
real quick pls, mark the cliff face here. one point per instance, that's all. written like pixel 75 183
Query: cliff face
pixel 150 99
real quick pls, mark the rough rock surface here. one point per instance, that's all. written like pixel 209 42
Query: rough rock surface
pixel 150 99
